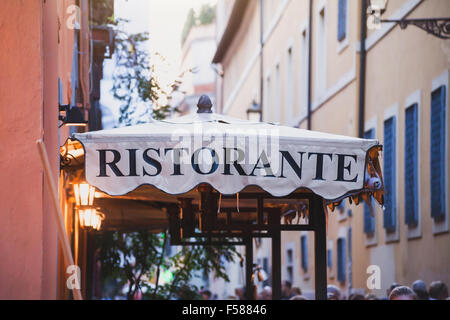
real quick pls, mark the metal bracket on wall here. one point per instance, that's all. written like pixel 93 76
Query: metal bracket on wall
pixel 439 27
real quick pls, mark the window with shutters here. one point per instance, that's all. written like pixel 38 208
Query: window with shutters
pixel 342 20
pixel 321 54
pixel 304 72
pixel 277 103
pixel 330 259
pixel 289 110
pixel 304 253
pixel 389 216
pixel 289 262
pixel 411 166
pixel 369 220
pixel 437 154
pixel 341 260
pixel 268 100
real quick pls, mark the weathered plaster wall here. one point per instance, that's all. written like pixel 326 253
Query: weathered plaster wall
pixel 21 123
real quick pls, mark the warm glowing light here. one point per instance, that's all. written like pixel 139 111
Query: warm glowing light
pixel 84 194
pixel 90 218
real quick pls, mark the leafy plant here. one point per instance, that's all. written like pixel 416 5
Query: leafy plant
pixel 205 16
pixel 135 260
pixel 134 83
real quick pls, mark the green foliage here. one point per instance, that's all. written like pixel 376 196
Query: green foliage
pixel 206 16
pixel 134 83
pixel 102 12
pixel 137 259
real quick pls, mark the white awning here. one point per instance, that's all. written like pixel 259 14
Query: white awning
pixel 229 154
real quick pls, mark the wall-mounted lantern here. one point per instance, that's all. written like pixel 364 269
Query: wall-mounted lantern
pixel 90 218
pixel 84 194
pixel 73 116
pixel 438 27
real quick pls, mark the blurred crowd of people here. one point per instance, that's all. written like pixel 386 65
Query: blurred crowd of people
pixel 437 290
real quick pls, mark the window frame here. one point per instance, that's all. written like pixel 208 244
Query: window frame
pixel 290 109
pixel 343 43
pixel 304 255
pixel 290 246
pixel 392 112
pixel 341 247
pixel 320 54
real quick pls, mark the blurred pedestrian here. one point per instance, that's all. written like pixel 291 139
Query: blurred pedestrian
pixel 371 296
pixel 333 293
pixel 296 291
pixel 356 296
pixel 420 289
pixel 392 287
pixel 438 291
pixel 206 295
pixel 298 297
pixel 240 294
pixel 402 293
pixel 286 287
pixel 266 293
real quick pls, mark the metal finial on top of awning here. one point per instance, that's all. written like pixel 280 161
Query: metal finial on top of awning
pixel 204 104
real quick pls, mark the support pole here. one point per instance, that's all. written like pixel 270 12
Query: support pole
pixel 276 265
pixel 249 268
pixel 320 248
pixel 64 240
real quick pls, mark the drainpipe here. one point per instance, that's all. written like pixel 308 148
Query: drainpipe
pixel 362 69
pixel 261 64
pixel 309 61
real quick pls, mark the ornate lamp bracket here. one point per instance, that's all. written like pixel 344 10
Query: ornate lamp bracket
pixel 439 27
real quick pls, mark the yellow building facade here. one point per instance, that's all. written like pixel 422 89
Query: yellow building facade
pixel 264 52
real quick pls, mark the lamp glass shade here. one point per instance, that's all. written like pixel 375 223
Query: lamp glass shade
pixel 379 4
pixel 84 194
pixel 90 218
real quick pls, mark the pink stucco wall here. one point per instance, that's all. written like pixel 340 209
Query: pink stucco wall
pixel 27 233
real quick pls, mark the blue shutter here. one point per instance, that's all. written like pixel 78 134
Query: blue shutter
pixel 60 92
pixel 329 258
pixel 438 154
pixel 342 19
pixel 304 247
pixel 369 221
pixel 411 164
pixel 349 237
pixel 389 219
pixel 341 260
pixel 265 267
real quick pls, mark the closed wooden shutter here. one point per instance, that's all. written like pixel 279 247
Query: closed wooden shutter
pixel 411 162
pixel 389 222
pixel 304 247
pixel 438 154
pixel 342 19
pixel 341 260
